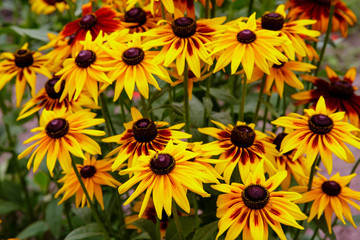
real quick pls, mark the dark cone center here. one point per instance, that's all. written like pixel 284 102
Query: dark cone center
pixel 325 2
pixel 88 21
pixel 242 136
pixel 23 58
pixel 341 89
pixel 278 65
pixel 57 128
pixel 87 171
pixel 272 21
pixel 320 124
pixel 53 2
pixel 246 36
pixel 49 88
pixel 184 27
pixel 278 140
pixel 133 56
pixel 85 58
pixel 331 188
pixel 162 164
pixel 144 130
pixel 255 196
pixel 136 15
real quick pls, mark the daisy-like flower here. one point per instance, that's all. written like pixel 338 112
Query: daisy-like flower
pixel 168 4
pixel 134 64
pixel 24 64
pixel 162 174
pixel 48 6
pixel 284 161
pixel 330 195
pixel 141 136
pixel 245 43
pixel 104 19
pixel 140 19
pixel 94 173
pixel 251 207
pixel 283 73
pixel 62 133
pixel 85 70
pixel 185 39
pixel 240 145
pixel 294 30
pixel 339 94
pixel 319 11
pixel 319 131
pixel 48 98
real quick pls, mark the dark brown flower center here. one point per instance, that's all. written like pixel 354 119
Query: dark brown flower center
pixel 87 171
pixel 255 196
pixel 71 38
pixel 246 36
pixel 88 21
pixel 324 2
pixel 341 89
pixel 278 140
pixel 133 56
pixel 136 15
pixel 331 188
pixel 242 136
pixel 23 58
pixel 144 130
pixel 57 128
pixel 49 88
pixel 272 21
pixel 184 27
pixel 53 2
pixel 162 164
pixel 85 58
pixel 320 124
pixel 278 65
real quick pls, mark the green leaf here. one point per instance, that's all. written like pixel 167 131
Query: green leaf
pixel 188 226
pixel 321 223
pixel 271 109
pixel 208 104
pixel 42 179
pixel 53 217
pixel 206 232
pixel 142 236
pixel 34 229
pixel 90 231
pixel 196 112
pixel 38 34
pixel 10 191
pixel 146 225
pixel 223 117
pixel 221 94
pixel 7 207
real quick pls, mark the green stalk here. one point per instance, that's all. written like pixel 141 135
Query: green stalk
pixel 213 10
pixel 243 97
pixel 177 222
pixel 71 9
pixel 197 223
pixel 251 3
pixel 315 233
pixel 257 109
pixel 105 111
pixel 122 109
pixel 326 40
pixel 265 115
pixel 170 104
pixel 144 107
pixel 94 211
pixel 186 99
pixel 207 9
pixel 158 235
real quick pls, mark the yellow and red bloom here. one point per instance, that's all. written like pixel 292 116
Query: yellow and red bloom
pixel 251 207
pixel 319 131
pixel 329 196
pixel 320 11
pixel 24 64
pixel 140 136
pixel 339 94
pixel 140 19
pixel 240 145
pixel 94 173
pixel 62 133
pixel 168 4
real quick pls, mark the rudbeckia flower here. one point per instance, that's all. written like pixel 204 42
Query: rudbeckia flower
pixel 239 145
pixel 134 64
pixel 94 174
pixel 62 133
pixel 319 131
pixel 168 4
pixel 23 64
pixel 251 207
pixel 320 10
pixel 162 174
pixel 245 43
pixel 48 6
pixel 294 30
pixel 140 136
pixel 85 70
pixel 339 94
pixel 329 196
pixel 140 19
pixel 184 39
pixel 48 98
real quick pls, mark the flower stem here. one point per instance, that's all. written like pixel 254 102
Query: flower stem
pixel 251 3
pixel 257 109
pixel 177 222
pixel 105 111
pixel 326 40
pixel 207 9
pixel 144 107
pixel 158 235
pixel 243 97
pixel 94 211
pixel 265 115
pixel 170 108
pixel 315 233
pixel 186 99
pixel 196 211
